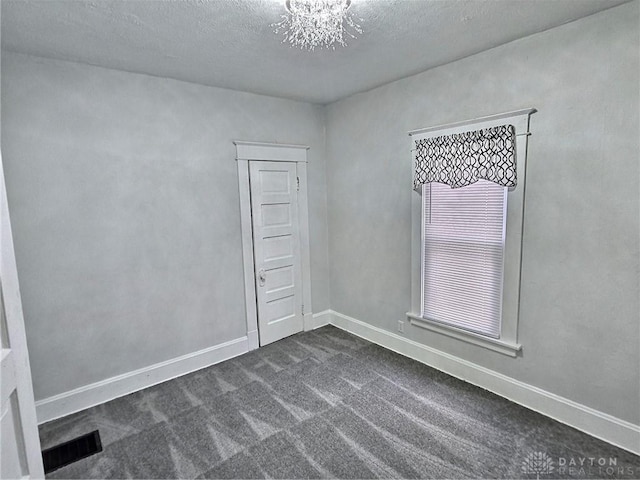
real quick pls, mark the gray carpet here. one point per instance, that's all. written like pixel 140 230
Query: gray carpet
pixel 326 404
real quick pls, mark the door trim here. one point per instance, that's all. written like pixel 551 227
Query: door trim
pixel 272 152
pixel 14 354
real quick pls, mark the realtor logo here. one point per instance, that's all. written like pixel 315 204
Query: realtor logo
pixel 538 463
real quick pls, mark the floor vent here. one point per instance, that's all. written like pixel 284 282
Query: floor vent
pixel 71 451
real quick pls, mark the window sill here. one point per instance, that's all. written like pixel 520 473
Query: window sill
pixel 500 346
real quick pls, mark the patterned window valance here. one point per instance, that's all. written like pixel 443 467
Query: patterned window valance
pixel 464 158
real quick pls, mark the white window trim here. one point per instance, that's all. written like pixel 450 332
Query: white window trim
pixel 508 342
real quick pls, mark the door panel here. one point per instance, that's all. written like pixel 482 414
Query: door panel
pixel 274 182
pixel 277 248
pixel 276 215
pixel 276 244
pixel 280 278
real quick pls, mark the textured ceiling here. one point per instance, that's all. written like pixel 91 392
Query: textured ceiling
pixel 229 43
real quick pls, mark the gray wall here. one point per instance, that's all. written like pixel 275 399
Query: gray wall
pixel 579 302
pixel 123 192
pixel 124 199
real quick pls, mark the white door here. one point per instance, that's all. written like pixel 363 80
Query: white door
pixel 276 245
pixel 19 442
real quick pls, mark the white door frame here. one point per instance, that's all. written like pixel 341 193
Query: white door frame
pixel 23 444
pixel 272 152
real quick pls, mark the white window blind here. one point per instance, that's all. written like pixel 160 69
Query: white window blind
pixel 463 246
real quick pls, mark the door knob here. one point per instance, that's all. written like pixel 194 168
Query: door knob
pixel 262 277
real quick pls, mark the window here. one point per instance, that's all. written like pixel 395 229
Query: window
pixel 462 255
pixel 466 242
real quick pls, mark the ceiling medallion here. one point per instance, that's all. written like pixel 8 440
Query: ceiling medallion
pixel 311 24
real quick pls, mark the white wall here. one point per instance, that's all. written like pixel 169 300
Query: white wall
pixel 579 302
pixel 123 192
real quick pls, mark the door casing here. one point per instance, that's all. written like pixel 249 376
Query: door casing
pixel 247 152
pixel 20 455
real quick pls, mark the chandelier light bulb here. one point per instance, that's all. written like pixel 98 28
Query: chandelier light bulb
pixel 311 24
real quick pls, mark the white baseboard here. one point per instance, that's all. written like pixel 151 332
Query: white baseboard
pixel 105 390
pixel 96 393
pixel 321 319
pixel 598 424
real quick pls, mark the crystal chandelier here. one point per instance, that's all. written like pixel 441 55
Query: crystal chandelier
pixel 317 23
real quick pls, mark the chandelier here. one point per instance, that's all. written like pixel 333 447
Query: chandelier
pixel 309 24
